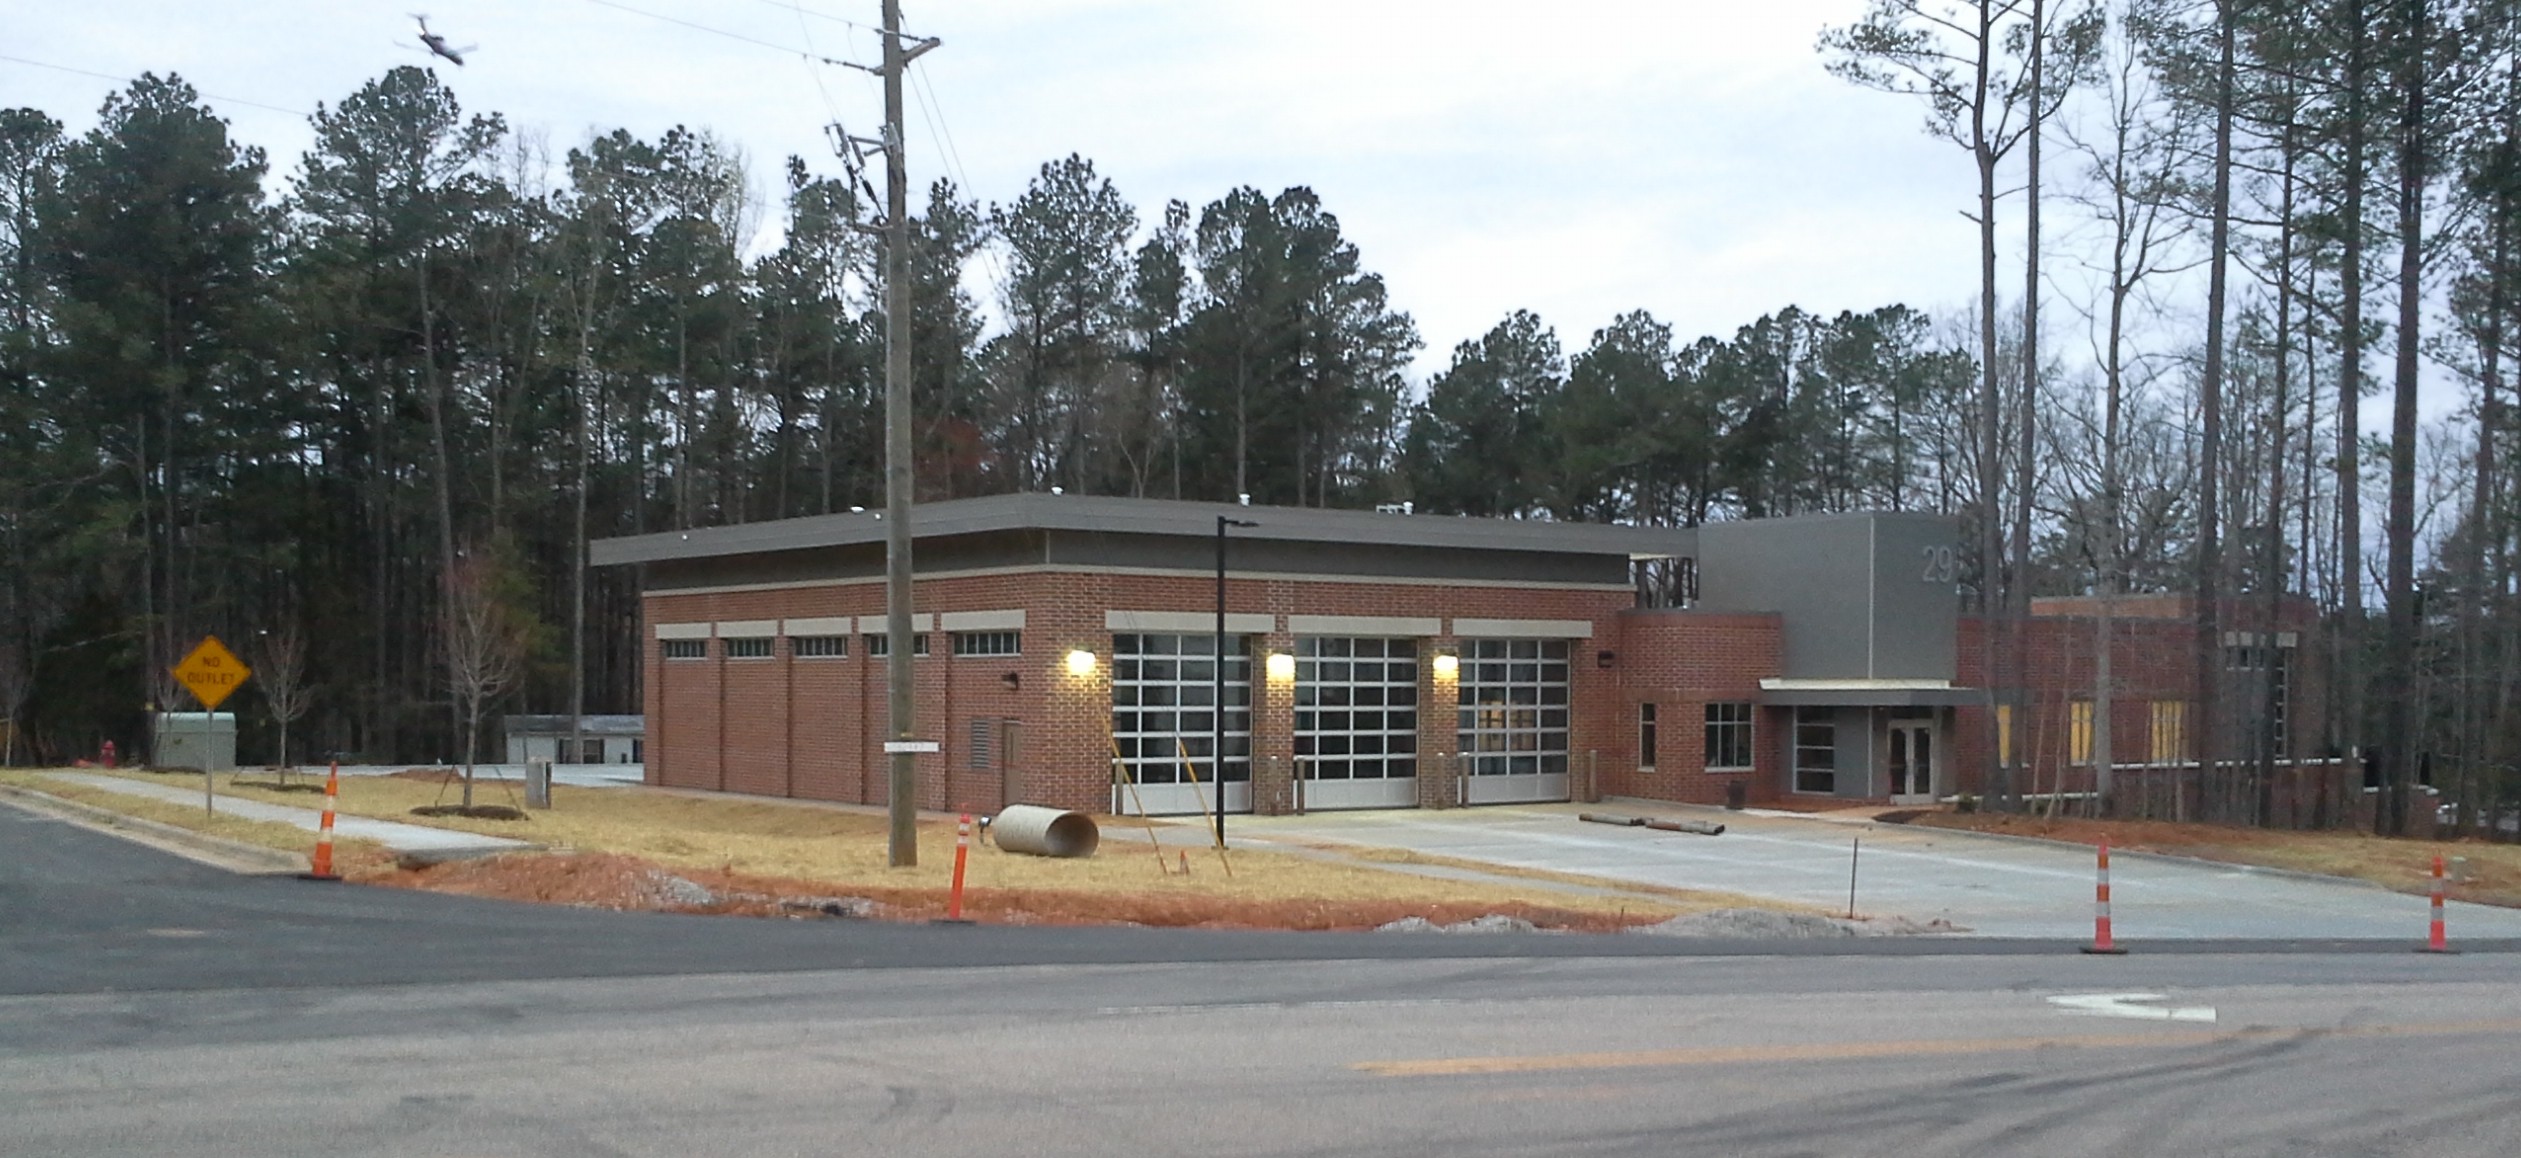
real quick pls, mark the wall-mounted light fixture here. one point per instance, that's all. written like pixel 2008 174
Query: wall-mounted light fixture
pixel 1282 667
pixel 1080 662
pixel 1013 680
pixel 1604 659
pixel 1448 663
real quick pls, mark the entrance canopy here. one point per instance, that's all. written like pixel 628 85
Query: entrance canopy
pixel 1867 693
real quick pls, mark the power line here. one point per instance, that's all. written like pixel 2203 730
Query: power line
pixel 801 10
pixel 128 80
pixel 934 114
pixel 716 31
pixel 829 105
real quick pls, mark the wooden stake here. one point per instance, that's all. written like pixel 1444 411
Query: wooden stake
pixel 1214 829
pixel 1121 776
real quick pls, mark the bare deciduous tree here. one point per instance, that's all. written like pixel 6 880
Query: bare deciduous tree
pixel 485 647
pixel 280 671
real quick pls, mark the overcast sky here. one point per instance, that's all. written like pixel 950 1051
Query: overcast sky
pixel 1579 159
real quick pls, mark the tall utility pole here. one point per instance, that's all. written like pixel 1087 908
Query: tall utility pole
pixel 2018 592
pixel 902 790
pixel 2205 732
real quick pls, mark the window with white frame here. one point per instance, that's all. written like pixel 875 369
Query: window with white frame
pixel 1164 698
pixel 1356 709
pixel 1729 736
pixel 1513 706
pixel 748 647
pixel 880 646
pixel 988 642
pixel 2264 690
pixel 818 646
pixel 1645 736
pixel 686 648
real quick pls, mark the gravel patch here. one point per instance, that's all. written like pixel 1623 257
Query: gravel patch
pixel 1767 924
pixel 1492 923
pixel 858 908
pixel 1759 924
pixel 667 889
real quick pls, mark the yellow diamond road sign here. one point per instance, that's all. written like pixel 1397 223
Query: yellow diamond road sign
pixel 211 672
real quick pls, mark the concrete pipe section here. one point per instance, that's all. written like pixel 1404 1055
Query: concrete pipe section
pixel 1044 831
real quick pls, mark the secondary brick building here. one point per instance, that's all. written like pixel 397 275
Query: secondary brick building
pixel 1068 656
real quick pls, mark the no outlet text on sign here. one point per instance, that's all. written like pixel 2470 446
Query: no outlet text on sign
pixel 211 672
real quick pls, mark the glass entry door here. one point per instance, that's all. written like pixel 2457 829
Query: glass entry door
pixel 1912 758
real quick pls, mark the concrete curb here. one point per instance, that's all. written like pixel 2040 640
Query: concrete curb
pixel 220 852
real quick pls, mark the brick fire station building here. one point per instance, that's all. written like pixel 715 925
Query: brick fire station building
pixel 1067 656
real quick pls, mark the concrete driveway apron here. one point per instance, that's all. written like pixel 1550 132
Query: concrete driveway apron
pixel 1989 886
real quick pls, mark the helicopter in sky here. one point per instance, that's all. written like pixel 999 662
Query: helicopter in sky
pixel 437 44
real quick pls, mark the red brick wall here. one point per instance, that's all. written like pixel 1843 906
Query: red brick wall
pixel 814 727
pixel 1681 661
pixel 2153 660
pixel 827 725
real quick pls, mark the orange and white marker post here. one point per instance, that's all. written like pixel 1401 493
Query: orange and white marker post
pixel 2435 942
pixel 962 853
pixel 2101 942
pixel 322 870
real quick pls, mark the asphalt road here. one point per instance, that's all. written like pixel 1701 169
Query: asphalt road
pixel 161 1008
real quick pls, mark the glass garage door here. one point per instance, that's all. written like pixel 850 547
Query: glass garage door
pixel 1163 719
pixel 1512 720
pixel 1356 722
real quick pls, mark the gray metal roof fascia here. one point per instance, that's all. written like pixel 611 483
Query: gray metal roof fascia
pixel 1313 524
pixel 1098 514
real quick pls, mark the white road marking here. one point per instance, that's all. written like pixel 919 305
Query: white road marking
pixel 2125 1005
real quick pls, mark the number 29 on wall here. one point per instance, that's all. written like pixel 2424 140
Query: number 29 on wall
pixel 1942 565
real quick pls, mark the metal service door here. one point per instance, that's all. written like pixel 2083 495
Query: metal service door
pixel 1513 720
pixel 1356 726
pixel 1163 724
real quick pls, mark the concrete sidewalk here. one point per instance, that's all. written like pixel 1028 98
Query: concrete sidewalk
pixel 421 840
pixel 1989 886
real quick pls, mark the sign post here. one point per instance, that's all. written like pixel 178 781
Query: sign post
pixel 211 673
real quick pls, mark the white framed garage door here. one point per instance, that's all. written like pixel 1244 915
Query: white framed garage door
pixel 1512 720
pixel 1356 721
pixel 1163 702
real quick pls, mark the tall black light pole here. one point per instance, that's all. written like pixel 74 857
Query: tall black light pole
pixel 1217 706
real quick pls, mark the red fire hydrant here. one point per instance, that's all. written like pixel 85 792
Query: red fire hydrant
pixel 108 756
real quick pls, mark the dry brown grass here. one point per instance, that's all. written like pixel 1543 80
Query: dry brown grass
pixel 840 849
pixel 2492 871
pixel 265 834
pixel 611 880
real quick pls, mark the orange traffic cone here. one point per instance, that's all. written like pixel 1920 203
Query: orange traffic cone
pixel 322 869
pixel 962 853
pixel 2102 943
pixel 2435 942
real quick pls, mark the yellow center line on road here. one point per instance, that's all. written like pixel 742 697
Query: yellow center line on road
pixel 1929 1047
